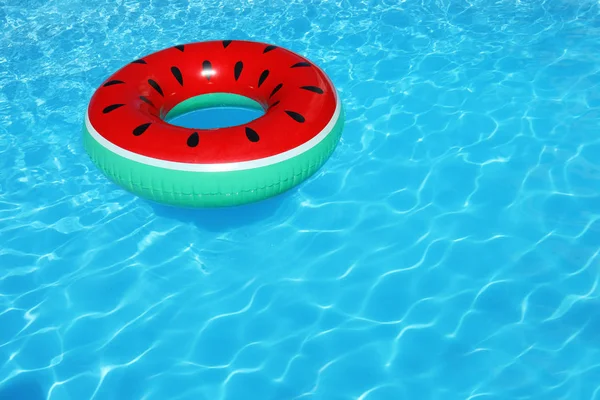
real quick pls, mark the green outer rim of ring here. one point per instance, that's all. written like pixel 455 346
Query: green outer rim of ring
pixel 211 189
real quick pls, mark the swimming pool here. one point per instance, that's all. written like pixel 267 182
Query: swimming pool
pixel 449 249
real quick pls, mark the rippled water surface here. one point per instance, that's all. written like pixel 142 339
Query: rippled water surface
pixel 449 249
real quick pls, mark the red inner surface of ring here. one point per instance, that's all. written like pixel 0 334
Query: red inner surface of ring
pixel 126 110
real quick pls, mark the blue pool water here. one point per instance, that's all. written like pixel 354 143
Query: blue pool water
pixel 449 249
pixel 216 117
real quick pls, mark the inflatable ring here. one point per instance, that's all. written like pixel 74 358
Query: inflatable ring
pixel 128 138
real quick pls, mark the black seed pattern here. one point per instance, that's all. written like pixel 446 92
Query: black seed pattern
pixel 207 68
pixel 252 135
pixel 300 64
pixel 177 74
pixel 269 48
pixel 226 43
pixel 155 86
pixel 147 101
pixel 140 61
pixel 295 116
pixel 193 140
pixel 111 108
pixel 180 47
pixel 141 129
pixel 263 76
pixel 274 104
pixel 237 70
pixel 114 82
pixel 313 89
pixel 276 89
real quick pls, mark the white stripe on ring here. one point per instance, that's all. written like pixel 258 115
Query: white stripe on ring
pixel 217 167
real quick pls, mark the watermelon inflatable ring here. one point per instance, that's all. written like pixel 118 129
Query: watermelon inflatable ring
pixel 128 138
